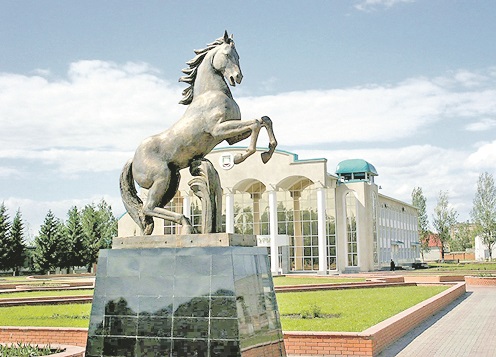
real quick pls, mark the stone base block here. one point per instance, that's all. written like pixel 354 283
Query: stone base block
pixel 187 240
pixel 181 302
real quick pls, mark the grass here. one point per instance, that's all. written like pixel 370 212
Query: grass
pixel 24 294
pixel 291 280
pixel 70 315
pixel 351 310
pixel 26 350
pixel 462 266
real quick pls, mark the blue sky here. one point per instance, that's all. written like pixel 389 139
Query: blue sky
pixel 409 85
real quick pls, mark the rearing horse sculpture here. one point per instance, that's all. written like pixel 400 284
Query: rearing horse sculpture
pixel 212 116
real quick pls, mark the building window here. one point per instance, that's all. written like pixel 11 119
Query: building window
pixel 251 213
pixel 351 230
pixel 331 250
pixel 176 205
pixel 297 217
pixel 374 230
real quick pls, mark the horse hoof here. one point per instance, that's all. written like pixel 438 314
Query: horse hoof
pixel 238 158
pixel 187 229
pixel 266 157
pixel 266 120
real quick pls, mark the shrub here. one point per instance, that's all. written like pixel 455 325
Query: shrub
pixel 25 350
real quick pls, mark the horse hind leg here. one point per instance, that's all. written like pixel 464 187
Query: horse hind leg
pixel 159 194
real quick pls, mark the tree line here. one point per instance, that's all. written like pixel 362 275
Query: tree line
pixel 450 233
pixel 74 242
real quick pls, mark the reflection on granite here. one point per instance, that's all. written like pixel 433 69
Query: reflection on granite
pixel 214 301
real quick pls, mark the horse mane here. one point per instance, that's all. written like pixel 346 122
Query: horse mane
pixel 190 73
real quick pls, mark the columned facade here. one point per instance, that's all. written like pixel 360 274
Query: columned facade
pixel 310 220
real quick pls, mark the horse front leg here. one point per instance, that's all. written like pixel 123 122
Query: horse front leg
pixel 267 124
pixel 252 147
pixel 237 130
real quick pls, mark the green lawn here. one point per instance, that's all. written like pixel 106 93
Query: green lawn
pixel 70 315
pixel 352 310
pixel 23 294
pixel 291 280
pixel 477 267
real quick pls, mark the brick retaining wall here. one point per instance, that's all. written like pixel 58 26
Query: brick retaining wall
pixel 324 344
pixel 44 335
pixel 373 340
pixel 434 278
pixel 480 281
pixel 328 344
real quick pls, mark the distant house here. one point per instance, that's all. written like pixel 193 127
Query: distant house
pixel 481 250
pixel 434 252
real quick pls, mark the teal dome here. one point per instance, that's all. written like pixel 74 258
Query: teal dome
pixel 353 166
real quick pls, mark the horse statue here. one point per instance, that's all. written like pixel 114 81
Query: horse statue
pixel 211 117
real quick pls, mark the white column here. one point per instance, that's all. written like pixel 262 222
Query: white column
pixel 321 229
pixel 187 206
pixel 274 254
pixel 229 212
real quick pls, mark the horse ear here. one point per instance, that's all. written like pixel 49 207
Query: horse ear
pixel 226 37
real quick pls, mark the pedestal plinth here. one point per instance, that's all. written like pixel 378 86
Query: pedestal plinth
pixel 175 301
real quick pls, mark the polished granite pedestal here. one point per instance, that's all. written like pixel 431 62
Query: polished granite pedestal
pixel 180 302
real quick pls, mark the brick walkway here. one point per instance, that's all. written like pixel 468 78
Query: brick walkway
pixel 467 327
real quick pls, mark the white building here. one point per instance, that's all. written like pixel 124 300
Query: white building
pixel 482 251
pixel 315 221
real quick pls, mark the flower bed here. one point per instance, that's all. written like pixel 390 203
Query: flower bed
pixel 26 349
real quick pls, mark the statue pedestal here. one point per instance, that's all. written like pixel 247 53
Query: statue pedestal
pixel 184 301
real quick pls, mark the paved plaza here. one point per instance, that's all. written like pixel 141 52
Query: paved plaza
pixel 466 327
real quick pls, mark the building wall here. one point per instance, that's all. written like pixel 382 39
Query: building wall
pixel 481 250
pixel 308 205
pixel 398 232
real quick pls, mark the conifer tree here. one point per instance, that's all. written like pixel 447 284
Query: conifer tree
pixel 108 223
pixel 91 229
pixel 74 240
pixel 17 246
pixel 99 226
pixel 47 244
pixel 4 237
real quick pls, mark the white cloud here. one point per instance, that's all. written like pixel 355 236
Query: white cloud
pixel 92 121
pixel 368 114
pixel 101 104
pixel 484 159
pixel 401 169
pixel 103 110
pixel 9 171
pixel 482 125
pixel 370 5
pixel 70 161
pixel 469 79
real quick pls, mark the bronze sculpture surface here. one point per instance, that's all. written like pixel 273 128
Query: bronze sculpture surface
pixel 211 117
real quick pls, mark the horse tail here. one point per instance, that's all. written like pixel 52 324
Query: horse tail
pixel 132 203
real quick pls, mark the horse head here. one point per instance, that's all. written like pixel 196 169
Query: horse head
pixel 226 61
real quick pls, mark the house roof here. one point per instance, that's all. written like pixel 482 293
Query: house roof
pixel 434 241
pixel 354 166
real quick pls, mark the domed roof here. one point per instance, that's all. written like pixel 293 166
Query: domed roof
pixel 355 166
